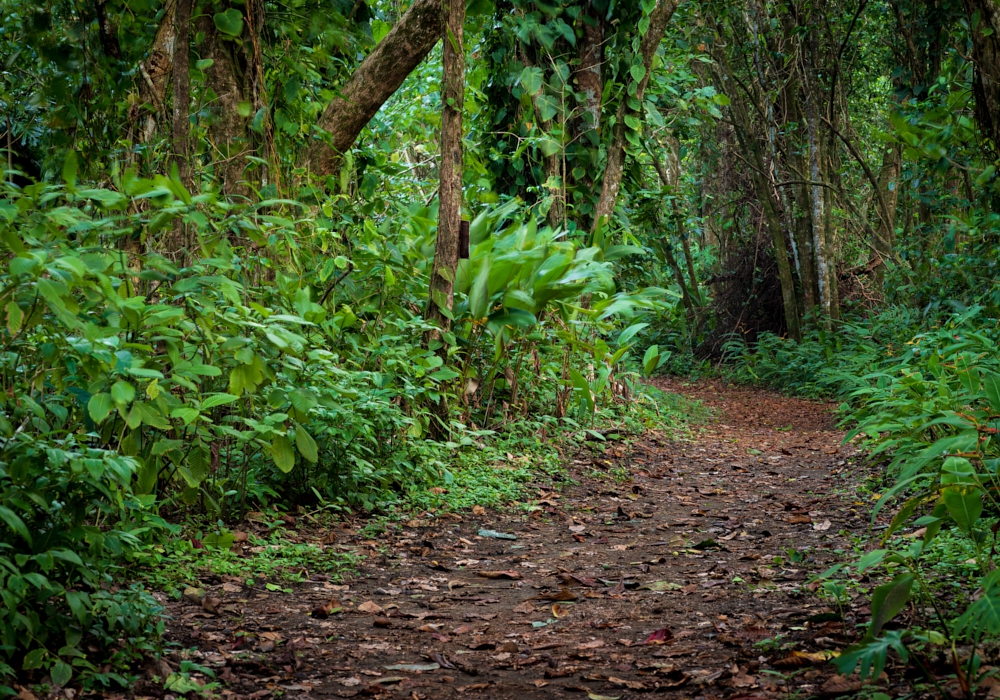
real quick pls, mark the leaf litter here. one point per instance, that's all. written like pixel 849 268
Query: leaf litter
pixel 692 578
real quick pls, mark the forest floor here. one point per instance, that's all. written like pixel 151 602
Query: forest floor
pixel 686 575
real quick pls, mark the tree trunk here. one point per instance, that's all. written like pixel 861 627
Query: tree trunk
pixel 228 130
pixel 155 73
pixel 888 193
pixel 986 56
pixel 612 182
pixel 589 81
pixel 442 286
pixel 182 91
pixel 816 197
pixel 374 82
pixel 764 189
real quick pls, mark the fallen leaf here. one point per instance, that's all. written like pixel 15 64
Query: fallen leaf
pixel 370 607
pixel 350 682
pixel 839 685
pixel 493 534
pixel 478 510
pixel 661 586
pixel 660 636
pixel 799 520
pixel 595 696
pixel 382 622
pixel 797 659
pixel 559 611
pixel 825 525
pixel 414 668
pixel 514 575
pixel 525 608
pixel 324 611
pixel 593 644
pixel 564 595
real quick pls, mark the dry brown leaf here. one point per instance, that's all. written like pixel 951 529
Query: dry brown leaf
pixel 478 510
pixel 513 575
pixel 593 644
pixel 329 608
pixel 370 607
pixel 839 685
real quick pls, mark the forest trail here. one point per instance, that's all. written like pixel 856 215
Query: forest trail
pixel 671 582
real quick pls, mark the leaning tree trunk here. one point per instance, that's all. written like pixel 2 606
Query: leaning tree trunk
pixel 611 185
pixel 442 283
pixel 374 82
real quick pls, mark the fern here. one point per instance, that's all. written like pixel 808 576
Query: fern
pixel 984 614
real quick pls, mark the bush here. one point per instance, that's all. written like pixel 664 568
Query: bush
pixel 69 519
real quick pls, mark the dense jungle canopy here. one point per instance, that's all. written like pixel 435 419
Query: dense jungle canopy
pixel 344 255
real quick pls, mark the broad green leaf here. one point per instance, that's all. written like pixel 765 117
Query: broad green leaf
pixel 650 360
pixel 122 393
pixel 306 445
pixel 282 453
pixel 630 332
pixel 531 80
pixel 15 523
pixel 888 600
pixel 100 406
pixel 964 504
pixel 15 317
pixel 218 400
pixel 991 385
pixel 303 400
pixel 479 294
pixel 229 22
pixel 61 673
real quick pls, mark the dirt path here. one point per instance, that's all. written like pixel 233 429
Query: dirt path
pixel 673 581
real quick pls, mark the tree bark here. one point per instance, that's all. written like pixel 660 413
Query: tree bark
pixel 374 82
pixel 612 182
pixel 986 57
pixel 442 285
pixel 228 130
pixel 182 91
pixel 816 194
pixel 589 81
pixel 155 73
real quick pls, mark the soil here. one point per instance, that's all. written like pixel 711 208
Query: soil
pixel 689 577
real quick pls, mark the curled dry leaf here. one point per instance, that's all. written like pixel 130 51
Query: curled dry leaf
pixel 563 596
pixel 331 607
pixel 478 510
pixel 660 636
pixel 559 610
pixel 839 685
pixel 513 575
